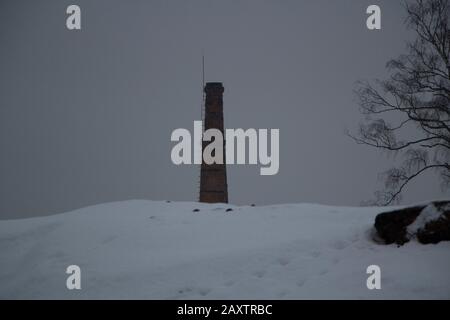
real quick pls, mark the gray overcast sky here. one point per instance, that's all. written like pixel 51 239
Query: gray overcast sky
pixel 86 116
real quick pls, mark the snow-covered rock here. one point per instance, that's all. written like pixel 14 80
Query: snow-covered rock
pixel 158 250
pixel 429 223
pixel 433 224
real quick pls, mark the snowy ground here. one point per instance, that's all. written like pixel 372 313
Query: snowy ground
pixel 158 250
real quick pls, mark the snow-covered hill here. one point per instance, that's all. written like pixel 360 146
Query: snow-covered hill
pixel 158 250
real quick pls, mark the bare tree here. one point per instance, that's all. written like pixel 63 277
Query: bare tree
pixel 416 95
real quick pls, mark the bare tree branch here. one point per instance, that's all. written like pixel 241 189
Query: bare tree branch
pixel 418 90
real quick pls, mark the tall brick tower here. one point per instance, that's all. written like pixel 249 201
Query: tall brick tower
pixel 213 177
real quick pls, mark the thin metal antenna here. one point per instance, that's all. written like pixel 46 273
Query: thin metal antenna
pixel 203 86
pixel 202 111
pixel 203 70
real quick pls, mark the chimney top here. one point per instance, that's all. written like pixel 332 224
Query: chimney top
pixel 214 86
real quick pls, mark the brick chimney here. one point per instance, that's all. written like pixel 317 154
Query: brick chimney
pixel 213 177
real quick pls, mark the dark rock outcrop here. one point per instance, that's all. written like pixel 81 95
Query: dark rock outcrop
pixel 392 226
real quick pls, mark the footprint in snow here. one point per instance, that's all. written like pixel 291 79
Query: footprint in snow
pixel 283 261
pixel 300 282
pixel 323 272
pixel 339 245
pixel 229 283
pixel 315 254
pixel 283 294
pixel 184 290
pixel 259 273
pixel 204 291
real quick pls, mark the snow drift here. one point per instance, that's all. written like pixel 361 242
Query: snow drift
pixel 159 250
